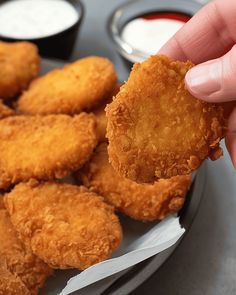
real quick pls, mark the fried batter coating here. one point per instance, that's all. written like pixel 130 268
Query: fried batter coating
pixel 145 202
pixel 101 116
pixel 44 147
pixel 11 284
pixel 19 65
pixel 156 128
pixel 5 111
pixel 101 123
pixel 76 87
pixel 18 260
pixel 65 225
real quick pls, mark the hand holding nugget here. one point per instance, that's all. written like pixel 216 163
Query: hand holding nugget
pixel 156 128
pixel 209 40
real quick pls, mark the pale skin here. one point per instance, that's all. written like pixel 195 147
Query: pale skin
pixel 209 40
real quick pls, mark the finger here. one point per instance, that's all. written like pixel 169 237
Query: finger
pixel 208 35
pixel 231 137
pixel 215 80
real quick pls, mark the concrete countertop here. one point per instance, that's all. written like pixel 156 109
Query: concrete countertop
pixel 205 262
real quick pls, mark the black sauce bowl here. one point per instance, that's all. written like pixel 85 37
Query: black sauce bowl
pixel 133 9
pixel 59 45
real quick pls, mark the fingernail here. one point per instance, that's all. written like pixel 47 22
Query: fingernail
pixel 204 80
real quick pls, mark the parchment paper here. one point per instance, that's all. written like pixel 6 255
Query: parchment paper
pixel 156 239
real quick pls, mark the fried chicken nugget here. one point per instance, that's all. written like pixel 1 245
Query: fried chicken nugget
pixel 101 123
pixel 19 65
pixel 156 128
pixel 78 86
pixel 20 261
pixel 101 116
pixel 5 111
pixel 65 225
pixel 145 202
pixel 11 284
pixel 44 147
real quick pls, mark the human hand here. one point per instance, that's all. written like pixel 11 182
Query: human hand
pixel 209 40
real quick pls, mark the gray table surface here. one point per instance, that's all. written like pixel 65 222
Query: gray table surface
pixel 205 262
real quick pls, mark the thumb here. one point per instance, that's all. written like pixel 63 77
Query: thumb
pixel 214 80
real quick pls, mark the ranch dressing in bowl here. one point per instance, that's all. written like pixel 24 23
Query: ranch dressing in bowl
pixel 150 32
pixel 34 19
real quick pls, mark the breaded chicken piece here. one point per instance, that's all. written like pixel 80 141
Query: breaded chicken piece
pixel 156 128
pixel 19 65
pixel 76 87
pixel 101 123
pixel 11 284
pixel 101 116
pixel 65 225
pixel 44 147
pixel 145 202
pixel 5 111
pixel 18 260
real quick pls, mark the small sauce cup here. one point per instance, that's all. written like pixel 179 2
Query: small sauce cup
pixel 159 16
pixel 56 45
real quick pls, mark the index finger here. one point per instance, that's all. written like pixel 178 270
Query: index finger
pixel 208 35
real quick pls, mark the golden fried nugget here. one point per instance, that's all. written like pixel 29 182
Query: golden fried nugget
pixel 2 206
pixel 44 147
pixel 5 111
pixel 156 128
pixel 11 284
pixel 78 86
pixel 21 262
pixel 101 123
pixel 65 225
pixel 145 202
pixel 19 65
pixel 101 116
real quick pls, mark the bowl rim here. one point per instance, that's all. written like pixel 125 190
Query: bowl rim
pixel 77 4
pixel 189 7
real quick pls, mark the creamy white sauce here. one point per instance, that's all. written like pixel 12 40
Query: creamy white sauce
pixel 149 36
pixel 30 19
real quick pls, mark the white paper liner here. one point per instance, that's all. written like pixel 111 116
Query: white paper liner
pixel 159 238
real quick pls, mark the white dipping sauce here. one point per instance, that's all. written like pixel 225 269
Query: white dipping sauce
pixel 31 19
pixel 149 36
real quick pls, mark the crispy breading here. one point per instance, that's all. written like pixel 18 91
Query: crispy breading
pixel 145 202
pixel 19 65
pixel 101 116
pixel 76 87
pixel 5 111
pixel 44 147
pixel 20 261
pixel 156 128
pixel 65 225
pixel 101 123
pixel 11 284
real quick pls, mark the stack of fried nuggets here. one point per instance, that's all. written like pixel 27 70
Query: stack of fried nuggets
pixel 58 128
pixel 48 134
